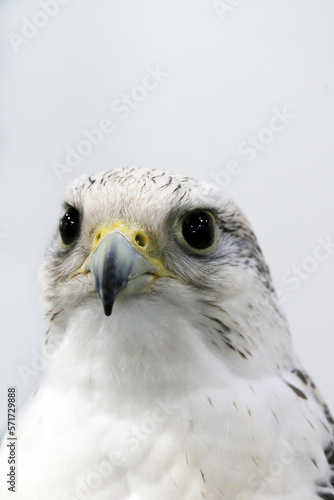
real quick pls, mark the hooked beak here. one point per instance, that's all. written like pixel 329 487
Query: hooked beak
pixel 121 264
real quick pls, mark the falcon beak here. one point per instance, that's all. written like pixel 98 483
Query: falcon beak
pixel 122 262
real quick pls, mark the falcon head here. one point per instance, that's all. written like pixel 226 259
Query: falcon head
pixel 148 260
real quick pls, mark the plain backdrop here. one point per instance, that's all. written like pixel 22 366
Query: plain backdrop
pixel 226 70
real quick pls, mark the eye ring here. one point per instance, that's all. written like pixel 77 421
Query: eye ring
pixel 199 229
pixel 70 226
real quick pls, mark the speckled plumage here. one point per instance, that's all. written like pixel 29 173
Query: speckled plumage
pixel 190 390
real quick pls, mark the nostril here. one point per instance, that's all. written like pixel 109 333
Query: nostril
pixel 97 238
pixel 141 240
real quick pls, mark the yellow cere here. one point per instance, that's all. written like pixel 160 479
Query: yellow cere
pixel 138 238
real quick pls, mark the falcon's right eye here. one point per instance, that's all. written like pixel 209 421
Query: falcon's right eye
pixel 69 226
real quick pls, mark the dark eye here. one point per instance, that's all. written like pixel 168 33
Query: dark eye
pixel 199 229
pixel 69 226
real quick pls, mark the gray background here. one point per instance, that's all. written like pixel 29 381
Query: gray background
pixel 228 70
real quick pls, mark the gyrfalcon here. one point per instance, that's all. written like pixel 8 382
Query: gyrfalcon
pixel 171 373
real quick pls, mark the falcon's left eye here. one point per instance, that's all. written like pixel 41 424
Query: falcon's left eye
pixel 198 229
pixel 69 225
